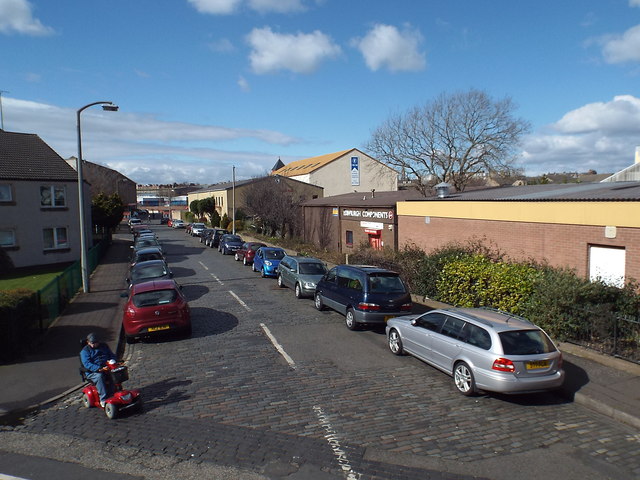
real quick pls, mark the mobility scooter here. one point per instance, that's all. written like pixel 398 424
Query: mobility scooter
pixel 121 400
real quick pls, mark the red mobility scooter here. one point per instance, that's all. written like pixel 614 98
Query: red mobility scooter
pixel 121 400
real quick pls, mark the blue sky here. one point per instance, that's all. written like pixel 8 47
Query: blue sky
pixel 204 85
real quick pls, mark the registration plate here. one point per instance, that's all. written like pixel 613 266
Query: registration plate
pixel 537 364
pixel 160 327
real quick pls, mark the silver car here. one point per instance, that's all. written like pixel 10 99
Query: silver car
pixel 483 349
pixel 300 273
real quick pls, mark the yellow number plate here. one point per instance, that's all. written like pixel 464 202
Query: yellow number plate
pixel 161 327
pixel 537 364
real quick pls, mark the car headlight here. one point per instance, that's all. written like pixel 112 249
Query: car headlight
pixel 267 263
pixel 309 285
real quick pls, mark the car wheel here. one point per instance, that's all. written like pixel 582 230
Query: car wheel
pixel 395 343
pixel 110 411
pixel 244 261
pixel 463 379
pixel 263 274
pixel 86 401
pixel 130 340
pixel 317 300
pixel 350 319
pixel 280 282
pixel 253 267
pixel 236 257
pixel 297 291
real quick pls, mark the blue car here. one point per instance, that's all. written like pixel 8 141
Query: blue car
pixel 266 261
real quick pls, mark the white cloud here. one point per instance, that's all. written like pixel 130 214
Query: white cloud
pixel 622 48
pixel 243 84
pixel 386 46
pixel 16 16
pixel 634 3
pixel 144 148
pixel 299 53
pixel 277 6
pixel 216 7
pixel 223 45
pixel 601 136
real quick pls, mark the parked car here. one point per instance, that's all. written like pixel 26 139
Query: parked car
pixel 204 233
pixel 155 307
pixel 363 294
pixel 247 252
pixel 300 273
pixel 165 221
pixel 135 229
pixel 149 270
pixel 133 221
pixel 146 243
pixel 266 260
pixel 187 228
pixel 213 240
pixel 144 254
pixel 229 243
pixel 196 229
pixel 481 349
pixel 177 223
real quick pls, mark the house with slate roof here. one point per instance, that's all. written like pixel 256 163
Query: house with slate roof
pixel 342 172
pixel 39 219
pixel 593 228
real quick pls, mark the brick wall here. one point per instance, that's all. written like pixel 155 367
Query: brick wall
pixel 557 244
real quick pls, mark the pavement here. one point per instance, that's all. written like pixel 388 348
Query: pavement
pixel 606 385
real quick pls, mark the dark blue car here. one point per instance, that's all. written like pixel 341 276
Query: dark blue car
pixel 266 260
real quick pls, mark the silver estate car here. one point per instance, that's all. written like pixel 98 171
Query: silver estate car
pixel 483 349
pixel 300 273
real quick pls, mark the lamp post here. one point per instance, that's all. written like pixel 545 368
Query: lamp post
pixel 110 107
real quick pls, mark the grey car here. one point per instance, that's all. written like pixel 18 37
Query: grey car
pixel 300 273
pixel 482 349
pixel 147 271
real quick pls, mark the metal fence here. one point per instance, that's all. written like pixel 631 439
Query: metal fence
pixel 56 295
pixel 614 335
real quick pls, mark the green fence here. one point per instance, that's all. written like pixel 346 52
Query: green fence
pixel 56 295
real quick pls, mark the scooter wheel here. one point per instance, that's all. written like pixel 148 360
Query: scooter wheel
pixel 110 411
pixel 86 401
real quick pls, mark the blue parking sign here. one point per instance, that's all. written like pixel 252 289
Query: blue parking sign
pixel 355 171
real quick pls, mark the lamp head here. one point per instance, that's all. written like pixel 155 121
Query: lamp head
pixel 110 108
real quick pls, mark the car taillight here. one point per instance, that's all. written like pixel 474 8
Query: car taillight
pixel 368 306
pixel 406 307
pixel 503 365
pixel 131 312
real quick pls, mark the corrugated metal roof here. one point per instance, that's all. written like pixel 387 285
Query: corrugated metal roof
pixel 308 165
pixel 613 191
pixel 25 156
pixel 367 199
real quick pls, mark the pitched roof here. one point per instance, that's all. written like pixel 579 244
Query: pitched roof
pixel 567 192
pixel 308 165
pixel 25 156
pixel 218 187
pixel 367 199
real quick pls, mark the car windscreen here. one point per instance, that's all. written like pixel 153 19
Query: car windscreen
pixel 155 297
pixel 148 256
pixel 232 238
pixel 151 271
pixel 526 342
pixel 255 247
pixel 384 282
pixel 274 254
pixel 312 268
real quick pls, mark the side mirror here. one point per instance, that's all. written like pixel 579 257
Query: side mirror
pixel 414 322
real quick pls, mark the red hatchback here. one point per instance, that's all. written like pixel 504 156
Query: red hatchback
pixel 247 252
pixel 155 307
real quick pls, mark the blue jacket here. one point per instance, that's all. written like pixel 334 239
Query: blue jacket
pixel 94 359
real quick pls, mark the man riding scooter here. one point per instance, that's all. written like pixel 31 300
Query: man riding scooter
pixel 94 357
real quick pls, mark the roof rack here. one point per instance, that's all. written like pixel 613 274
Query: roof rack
pixel 508 314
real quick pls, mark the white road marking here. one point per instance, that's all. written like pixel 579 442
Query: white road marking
pixel 9 477
pixel 278 346
pixel 203 265
pixel 217 279
pixel 247 308
pixel 334 443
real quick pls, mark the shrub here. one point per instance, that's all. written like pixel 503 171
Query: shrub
pixel 19 322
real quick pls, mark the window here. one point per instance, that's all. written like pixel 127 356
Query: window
pixel 55 238
pixel 349 238
pixel 452 327
pixel 431 321
pixel 7 238
pixel 52 196
pixel 607 265
pixel 5 192
pixel 477 336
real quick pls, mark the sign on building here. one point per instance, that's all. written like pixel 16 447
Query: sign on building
pixel 355 171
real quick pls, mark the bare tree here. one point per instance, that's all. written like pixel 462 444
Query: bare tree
pixel 271 200
pixel 451 139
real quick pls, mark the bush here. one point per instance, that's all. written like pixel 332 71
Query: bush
pixel 19 322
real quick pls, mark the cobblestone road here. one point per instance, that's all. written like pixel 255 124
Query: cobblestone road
pixel 227 396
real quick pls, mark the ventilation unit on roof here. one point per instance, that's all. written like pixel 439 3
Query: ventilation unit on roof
pixel 442 189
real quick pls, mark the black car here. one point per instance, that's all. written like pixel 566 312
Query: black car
pixel 363 294
pixel 230 243
pixel 149 270
pixel 203 234
pixel 213 238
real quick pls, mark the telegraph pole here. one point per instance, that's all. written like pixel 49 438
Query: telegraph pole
pixel 1 114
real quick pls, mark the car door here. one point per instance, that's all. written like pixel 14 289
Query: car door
pixel 290 272
pixel 257 260
pixel 418 336
pixel 447 344
pixel 328 288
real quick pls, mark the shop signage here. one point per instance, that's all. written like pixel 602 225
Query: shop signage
pixel 372 225
pixel 355 171
pixel 358 213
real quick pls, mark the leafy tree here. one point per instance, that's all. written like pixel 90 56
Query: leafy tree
pixel 225 221
pixel 107 211
pixel 208 208
pixel 452 139
pixel 196 208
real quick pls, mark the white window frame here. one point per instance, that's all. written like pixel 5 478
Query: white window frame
pixel 52 189
pixel 57 235
pixel 12 236
pixel 6 193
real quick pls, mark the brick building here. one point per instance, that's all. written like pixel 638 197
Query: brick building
pixel 593 228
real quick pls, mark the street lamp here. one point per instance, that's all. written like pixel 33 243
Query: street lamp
pixel 110 107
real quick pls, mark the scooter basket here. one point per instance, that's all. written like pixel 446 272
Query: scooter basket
pixel 120 374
